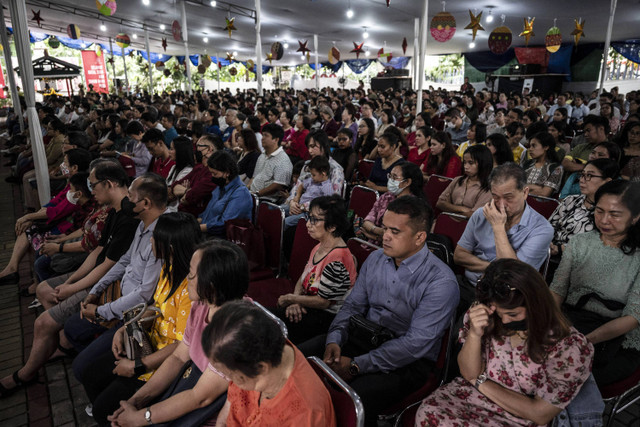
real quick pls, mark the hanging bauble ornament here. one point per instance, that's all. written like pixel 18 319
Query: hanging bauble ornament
pixel 229 25
pixel 443 27
pixel 73 31
pixel 205 60
pixel 278 51
pixel 98 50
pixel 201 69
pixel 166 72
pixel 553 39
pixel 334 55
pixel 250 65
pixel 233 71
pixel 106 7
pixel 123 40
pixel 527 33
pixel 160 66
pixel 53 42
pixel 176 30
pixel 500 39
pixel 578 31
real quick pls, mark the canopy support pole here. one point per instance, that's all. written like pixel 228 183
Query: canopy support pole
pixel 146 45
pixel 607 44
pixel 315 48
pixel 126 77
pixel 185 37
pixel 259 48
pixel 113 67
pixel 218 70
pixel 416 51
pixel 423 53
pixel 15 97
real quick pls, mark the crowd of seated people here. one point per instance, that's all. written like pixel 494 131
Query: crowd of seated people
pixel 144 187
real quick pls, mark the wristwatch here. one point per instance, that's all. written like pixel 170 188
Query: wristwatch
pixel 139 367
pixel 147 415
pixel 354 369
pixel 481 379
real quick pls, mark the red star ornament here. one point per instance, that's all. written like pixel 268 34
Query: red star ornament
pixel 303 47
pixel 164 44
pixel 357 49
pixel 37 18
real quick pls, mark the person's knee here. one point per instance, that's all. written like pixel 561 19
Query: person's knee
pixel 46 325
pixel 43 290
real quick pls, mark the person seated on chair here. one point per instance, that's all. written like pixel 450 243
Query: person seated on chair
pixel 273 168
pixel 598 282
pixel 344 154
pixel 469 192
pixel 544 172
pixel 521 362
pixel 506 227
pixel 442 158
pixel 406 290
pixel 329 274
pixel 186 388
pixel 230 200
pixel 604 150
pixel 455 126
pixel 389 158
pixel 270 381
pixel 317 185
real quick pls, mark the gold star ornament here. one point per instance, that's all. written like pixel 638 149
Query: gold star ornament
pixel 474 25
pixel 230 25
pixel 579 31
pixel 269 57
pixel 527 33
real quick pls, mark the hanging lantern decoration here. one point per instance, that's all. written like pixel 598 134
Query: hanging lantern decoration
pixel 106 7
pixel 201 69
pixel 123 40
pixel 357 49
pixel 160 66
pixel 230 25
pixel 578 32
pixel 250 65
pixel 53 42
pixel 334 55
pixel 404 46
pixel 500 39
pixel 176 30
pixel 166 72
pixel 527 33
pixel 443 27
pixel 553 39
pixel 73 31
pixel 233 71
pixel 277 50
pixel 474 25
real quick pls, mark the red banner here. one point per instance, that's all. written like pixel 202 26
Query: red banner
pixel 95 71
pixel 2 94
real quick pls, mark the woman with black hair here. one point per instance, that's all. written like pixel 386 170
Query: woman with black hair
pixel 365 143
pixel 442 159
pixel 111 377
pixel 349 121
pixel 181 152
pixel 249 151
pixel 420 151
pixel 476 134
pixel 185 390
pixel 544 172
pixel 296 148
pixel 498 144
pixel 389 158
pixel 421 120
pixel 470 191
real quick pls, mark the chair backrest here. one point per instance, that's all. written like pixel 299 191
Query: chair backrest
pixel 434 187
pixel 451 225
pixel 545 265
pixel 254 210
pixel 361 249
pixel 281 324
pixel 303 244
pixel 271 221
pixel 543 205
pixel 364 169
pixel 362 199
pixel 346 403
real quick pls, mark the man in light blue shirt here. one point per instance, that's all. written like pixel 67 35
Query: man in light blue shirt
pixel 506 227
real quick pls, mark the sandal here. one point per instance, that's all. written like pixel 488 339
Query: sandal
pixel 6 392
pixel 66 352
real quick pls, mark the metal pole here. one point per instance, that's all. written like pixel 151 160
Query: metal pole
pixel 218 71
pixel 423 53
pixel 607 44
pixel 146 45
pixel 126 78
pixel 18 13
pixel 185 37
pixel 258 48
pixel 315 46
pixel 416 51
pixel 15 97
pixel 113 67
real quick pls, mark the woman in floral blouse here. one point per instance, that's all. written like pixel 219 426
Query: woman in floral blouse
pixel 521 362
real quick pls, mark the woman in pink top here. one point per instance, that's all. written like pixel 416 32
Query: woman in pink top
pixel 219 272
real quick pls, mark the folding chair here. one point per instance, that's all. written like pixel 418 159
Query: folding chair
pixel 545 265
pixel 270 219
pixel 434 187
pixel 266 292
pixel 362 199
pixel 625 391
pixel 346 403
pixel 364 169
pixel 360 249
pixel 281 324
pixel 545 206
pixel 254 209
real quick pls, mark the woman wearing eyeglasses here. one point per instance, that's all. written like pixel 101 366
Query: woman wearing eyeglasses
pixel 327 277
pixel 598 282
pixel 521 363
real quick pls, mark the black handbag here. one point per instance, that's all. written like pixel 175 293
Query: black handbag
pixel 365 335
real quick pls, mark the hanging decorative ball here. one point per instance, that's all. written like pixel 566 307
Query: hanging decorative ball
pixel 166 72
pixel 160 66
pixel 278 51
pixel 53 42
pixel 176 30
pixel 73 31
pixel 443 27
pixel 553 39
pixel 123 40
pixel 233 71
pixel 334 55
pixel 106 7
pixel 250 65
pixel 500 39
pixel 201 69
pixel 205 60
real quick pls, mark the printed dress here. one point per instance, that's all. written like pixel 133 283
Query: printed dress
pixel 557 381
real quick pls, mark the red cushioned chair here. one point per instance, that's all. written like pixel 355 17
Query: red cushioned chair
pixel 543 205
pixel 362 199
pixel 346 402
pixel 364 169
pixel 626 391
pixel 433 188
pixel 270 219
pixel 266 292
pixel 451 225
pixel 361 249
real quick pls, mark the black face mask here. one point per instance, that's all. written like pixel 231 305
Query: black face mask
pixel 220 182
pixel 128 207
pixel 518 325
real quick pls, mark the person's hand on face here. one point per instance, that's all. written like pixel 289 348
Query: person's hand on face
pixel 479 319
pixel 495 214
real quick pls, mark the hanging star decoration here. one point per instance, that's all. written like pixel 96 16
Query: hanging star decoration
pixel 37 18
pixel 110 60
pixel 230 25
pixel 404 45
pixel 579 31
pixel 164 44
pixel 357 49
pixel 303 47
pixel 269 57
pixel 131 54
pixel 527 33
pixel 230 57
pixel 475 25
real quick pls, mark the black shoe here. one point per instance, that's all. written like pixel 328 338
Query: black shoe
pixel 12 179
pixel 6 392
pixel 10 279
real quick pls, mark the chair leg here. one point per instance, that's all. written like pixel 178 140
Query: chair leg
pixel 612 413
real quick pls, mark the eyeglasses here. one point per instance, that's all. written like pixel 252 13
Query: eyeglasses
pixel 587 176
pixel 91 185
pixel 202 146
pixel 343 139
pixel 395 177
pixel 313 220
pixel 488 290
pixel 634 133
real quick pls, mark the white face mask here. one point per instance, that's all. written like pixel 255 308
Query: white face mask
pixel 450 125
pixel 394 186
pixel 64 169
pixel 71 199
pixel 454 104
pixel 245 126
pixel 414 128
